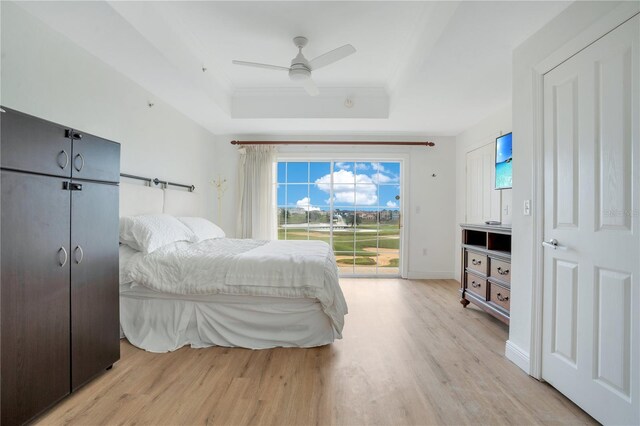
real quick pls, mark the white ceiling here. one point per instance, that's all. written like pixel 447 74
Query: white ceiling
pixel 426 68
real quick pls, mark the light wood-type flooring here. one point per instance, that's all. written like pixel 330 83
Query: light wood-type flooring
pixel 410 354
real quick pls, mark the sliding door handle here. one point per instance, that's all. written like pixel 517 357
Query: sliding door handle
pixel 62 256
pixel 78 254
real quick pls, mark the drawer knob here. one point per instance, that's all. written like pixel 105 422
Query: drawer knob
pixel 476 262
pixel 475 284
pixel 502 271
pixel 501 298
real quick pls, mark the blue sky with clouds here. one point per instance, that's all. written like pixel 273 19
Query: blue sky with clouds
pixel 361 185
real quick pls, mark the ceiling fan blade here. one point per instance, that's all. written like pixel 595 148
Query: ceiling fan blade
pixel 258 65
pixel 332 56
pixel 310 87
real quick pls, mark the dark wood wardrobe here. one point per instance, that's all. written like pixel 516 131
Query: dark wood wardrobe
pixel 59 296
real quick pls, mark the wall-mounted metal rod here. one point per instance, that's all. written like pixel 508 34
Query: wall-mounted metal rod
pixel 427 143
pixel 146 179
pixel 157 181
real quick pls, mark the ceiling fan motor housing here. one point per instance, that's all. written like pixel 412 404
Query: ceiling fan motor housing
pixel 299 72
pixel 300 69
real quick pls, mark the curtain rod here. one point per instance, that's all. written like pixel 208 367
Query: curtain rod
pixel 427 143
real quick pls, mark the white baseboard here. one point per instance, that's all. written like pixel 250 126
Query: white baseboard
pixel 434 275
pixel 518 356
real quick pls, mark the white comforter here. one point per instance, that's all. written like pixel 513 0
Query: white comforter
pixel 296 269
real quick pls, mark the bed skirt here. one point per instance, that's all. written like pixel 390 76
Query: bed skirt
pixel 159 322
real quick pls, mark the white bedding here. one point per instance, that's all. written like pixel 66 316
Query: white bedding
pixel 274 269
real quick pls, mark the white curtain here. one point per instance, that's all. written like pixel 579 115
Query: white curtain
pixel 256 202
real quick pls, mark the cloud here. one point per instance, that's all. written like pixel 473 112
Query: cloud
pixel 381 178
pixel 362 198
pixel 392 204
pixel 343 166
pixel 305 204
pixel 377 167
pixel 348 188
pixel 361 166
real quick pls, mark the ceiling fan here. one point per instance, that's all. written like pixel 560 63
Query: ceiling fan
pixel 301 68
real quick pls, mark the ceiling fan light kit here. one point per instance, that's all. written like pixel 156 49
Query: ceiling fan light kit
pixel 301 69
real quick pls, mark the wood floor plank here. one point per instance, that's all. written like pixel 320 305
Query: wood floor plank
pixel 411 355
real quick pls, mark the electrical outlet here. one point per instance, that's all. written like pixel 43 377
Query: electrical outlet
pixel 527 208
pixel 424 252
pixel 417 209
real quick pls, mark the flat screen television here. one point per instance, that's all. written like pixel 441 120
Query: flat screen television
pixel 504 164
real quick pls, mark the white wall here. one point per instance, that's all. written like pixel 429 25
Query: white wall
pixel 46 75
pixel 567 29
pixel 431 229
pixel 481 134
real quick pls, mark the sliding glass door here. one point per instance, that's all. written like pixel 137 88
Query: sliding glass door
pixel 354 206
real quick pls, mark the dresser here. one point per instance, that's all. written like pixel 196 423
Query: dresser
pixel 59 294
pixel 486 269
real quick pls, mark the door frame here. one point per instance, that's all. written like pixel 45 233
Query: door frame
pixel 605 25
pixel 383 156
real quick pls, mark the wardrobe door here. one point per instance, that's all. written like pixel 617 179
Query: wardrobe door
pixel 95 323
pixel 35 294
pixel 95 158
pixel 34 145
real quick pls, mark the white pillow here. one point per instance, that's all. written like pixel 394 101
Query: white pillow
pixel 147 233
pixel 202 228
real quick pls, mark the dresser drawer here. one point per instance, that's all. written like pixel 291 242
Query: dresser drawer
pixel 500 296
pixel 500 270
pixel 477 262
pixel 476 285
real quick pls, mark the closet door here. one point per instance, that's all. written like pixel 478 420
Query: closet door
pixel 34 145
pixel 35 294
pixel 95 324
pixel 95 158
pixel 483 201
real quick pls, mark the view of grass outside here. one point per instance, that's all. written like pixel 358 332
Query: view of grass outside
pixel 352 205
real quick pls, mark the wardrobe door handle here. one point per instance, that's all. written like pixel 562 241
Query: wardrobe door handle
pixel 77 250
pixel 75 163
pixel 62 260
pixel 66 159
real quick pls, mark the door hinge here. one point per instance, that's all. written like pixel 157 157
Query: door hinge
pixel 71 186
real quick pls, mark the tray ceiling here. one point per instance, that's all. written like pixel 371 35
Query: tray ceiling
pixel 421 67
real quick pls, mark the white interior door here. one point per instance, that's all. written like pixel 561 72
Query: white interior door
pixel 591 322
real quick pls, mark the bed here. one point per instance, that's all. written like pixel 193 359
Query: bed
pixel 221 291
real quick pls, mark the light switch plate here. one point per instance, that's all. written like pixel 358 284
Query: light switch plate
pixel 527 208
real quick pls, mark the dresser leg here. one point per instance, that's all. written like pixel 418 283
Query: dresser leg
pixel 464 302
